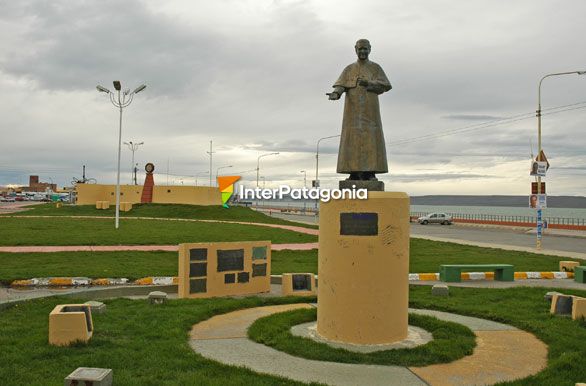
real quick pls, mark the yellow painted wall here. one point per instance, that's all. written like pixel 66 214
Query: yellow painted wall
pixel 88 194
pixel 214 280
pixel 194 195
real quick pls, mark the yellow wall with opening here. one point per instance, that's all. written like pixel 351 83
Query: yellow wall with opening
pixel 88 194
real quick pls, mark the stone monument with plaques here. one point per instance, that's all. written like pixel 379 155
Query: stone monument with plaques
pixel 363 291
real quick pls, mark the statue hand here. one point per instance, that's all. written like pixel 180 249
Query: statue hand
pixel 364 83
pixel 333 96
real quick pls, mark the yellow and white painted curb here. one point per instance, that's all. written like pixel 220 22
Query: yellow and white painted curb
pixel 490 276
pixel 173 280
pixel 68 282
pixel 158 280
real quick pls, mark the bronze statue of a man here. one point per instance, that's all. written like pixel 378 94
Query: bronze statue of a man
pixel 362 145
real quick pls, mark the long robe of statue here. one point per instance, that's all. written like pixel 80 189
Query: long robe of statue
pixel 362 144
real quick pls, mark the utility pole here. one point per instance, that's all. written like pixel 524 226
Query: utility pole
pixel 211 152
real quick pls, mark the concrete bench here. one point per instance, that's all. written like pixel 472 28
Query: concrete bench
pixel 452 272
pixel 580 274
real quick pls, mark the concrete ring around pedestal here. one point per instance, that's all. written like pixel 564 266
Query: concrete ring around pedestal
pixel 416 336
pixel 503 353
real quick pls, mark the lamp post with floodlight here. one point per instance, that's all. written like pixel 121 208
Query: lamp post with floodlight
pixel 120 100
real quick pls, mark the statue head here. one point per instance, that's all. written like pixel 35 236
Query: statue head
pixel 362 48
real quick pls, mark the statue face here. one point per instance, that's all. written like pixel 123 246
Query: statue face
pixel 362 51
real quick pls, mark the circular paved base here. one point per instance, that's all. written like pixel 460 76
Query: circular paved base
pixel 416 337
pixel 503 353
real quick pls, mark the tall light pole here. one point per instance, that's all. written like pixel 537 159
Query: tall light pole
pixel 258 164
pixel 198 173
pixel 316 184
pixel 218 170
pixel 317 158
pixel 305 186
pixel 133 147
pixel 539 218
pixel 121 100
pixel 211 152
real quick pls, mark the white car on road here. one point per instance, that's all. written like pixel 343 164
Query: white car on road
pixel 435 218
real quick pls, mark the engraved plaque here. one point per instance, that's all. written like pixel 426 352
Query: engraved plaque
pixel 198 269
pixel 243 277
pixel 198 254
pixel 230 260
pixel 301 283
pixel 259 270
pixel 229 278
pixel 197 286
pixel 359 224
pixel 259 253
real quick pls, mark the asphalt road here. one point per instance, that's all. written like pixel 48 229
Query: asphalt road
pixel 499 236
pixel 518 238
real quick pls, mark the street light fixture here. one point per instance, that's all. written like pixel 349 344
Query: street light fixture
pixel 538 113
pixel 316 183
pixel 305 186
pixel 120 101
pixel 199 173
pixel 133 147
pixel 258 164
pixel 218 170
pixel 317 158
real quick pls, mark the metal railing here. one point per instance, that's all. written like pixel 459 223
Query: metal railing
pixel 509 218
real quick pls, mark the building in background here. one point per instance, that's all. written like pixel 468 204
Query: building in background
pixel 35 186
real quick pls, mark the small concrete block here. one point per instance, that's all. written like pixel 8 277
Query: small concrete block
pixel 548 296
pixel 578 308
pixel 69 323
pixel 568 266
pixel 89 376
pixel 561 305
pixel 440 290
pixel 97 307
pixel 157 297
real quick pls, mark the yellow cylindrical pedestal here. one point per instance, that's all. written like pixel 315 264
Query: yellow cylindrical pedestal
pixel 363 269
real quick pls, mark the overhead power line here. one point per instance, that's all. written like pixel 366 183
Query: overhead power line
pixel 491 123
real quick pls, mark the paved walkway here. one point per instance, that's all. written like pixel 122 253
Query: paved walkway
pixel 112 248
pixel 503 353
pixel 294 228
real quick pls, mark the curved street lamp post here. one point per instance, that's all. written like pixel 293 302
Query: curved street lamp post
pixel 538 113
pixel 258 164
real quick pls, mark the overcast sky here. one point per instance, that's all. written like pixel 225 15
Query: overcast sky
pixel 251 75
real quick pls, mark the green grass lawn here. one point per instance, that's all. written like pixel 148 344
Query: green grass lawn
pixel 147 345
pixel 208 212
pixel 68 231
pixel 426 256
pixel 144 345
pixel 451 341
pixel 131 265
pixel 524 308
